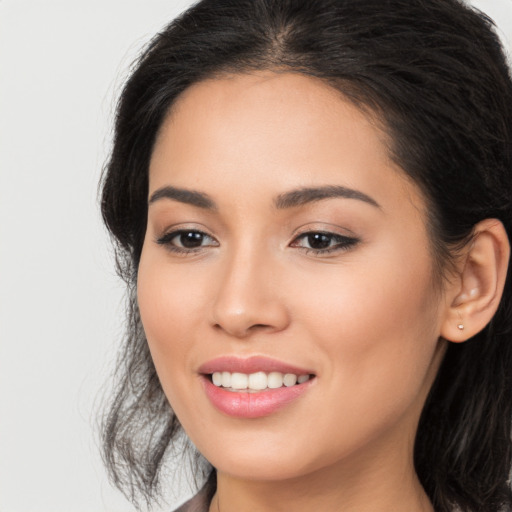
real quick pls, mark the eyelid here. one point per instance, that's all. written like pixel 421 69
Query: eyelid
pixel 323 227
pixel 343 242
pixel 325 233
pixel 168 236
pixel 172 232
pixel 167 229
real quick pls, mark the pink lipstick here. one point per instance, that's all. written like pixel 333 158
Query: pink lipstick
pixel 253 387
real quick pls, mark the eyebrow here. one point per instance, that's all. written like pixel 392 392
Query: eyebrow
pixel 289 199
pixel 182 195
pixel 309 195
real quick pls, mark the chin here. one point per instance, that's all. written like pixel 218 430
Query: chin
pixel 261 468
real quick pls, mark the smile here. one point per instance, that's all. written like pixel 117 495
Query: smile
pixel 253 387
pixel 258 381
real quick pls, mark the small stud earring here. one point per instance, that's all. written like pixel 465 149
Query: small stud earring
pixel 460 327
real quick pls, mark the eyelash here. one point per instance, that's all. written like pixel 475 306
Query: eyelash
pixel 168 238
pixel 341 242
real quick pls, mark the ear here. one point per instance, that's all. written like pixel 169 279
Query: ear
pixel 474 296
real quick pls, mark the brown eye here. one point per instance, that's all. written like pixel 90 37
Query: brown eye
pixel 323 243
pixel 319 240
pixel 185 240
pixel 189 239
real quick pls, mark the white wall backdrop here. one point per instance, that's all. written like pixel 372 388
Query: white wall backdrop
pixel 62 64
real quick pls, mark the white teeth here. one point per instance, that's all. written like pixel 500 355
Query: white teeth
pixel 239 380
pixel 256 381
pixel 226 379
pixel 289 380
pixel 275 380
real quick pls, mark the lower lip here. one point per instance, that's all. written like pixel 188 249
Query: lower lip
pixel 240 404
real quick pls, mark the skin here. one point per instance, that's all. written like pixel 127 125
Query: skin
pixel 365 318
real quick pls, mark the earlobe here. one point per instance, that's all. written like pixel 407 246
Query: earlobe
pixel 476 293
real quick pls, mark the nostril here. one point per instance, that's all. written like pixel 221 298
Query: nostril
pixel 241 330
pixel 259 326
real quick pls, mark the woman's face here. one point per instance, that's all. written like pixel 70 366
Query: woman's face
pixel 282 240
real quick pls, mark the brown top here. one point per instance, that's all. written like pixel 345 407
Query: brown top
pixel 199 503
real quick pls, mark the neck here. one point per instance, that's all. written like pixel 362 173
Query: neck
pixel 233 495
pixel 363 483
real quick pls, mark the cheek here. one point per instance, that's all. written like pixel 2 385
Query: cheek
pixel 169 305
pixel 170 298
pixel 380 295
pixel 378 329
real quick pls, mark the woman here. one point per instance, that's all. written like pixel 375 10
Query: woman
pixel 312 207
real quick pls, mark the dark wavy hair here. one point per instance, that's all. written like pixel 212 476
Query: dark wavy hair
pixel 434 73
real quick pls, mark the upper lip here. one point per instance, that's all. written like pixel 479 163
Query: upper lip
pixel 250 365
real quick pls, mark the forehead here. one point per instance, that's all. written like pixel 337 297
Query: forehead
pixel 276 131
pixel 270 102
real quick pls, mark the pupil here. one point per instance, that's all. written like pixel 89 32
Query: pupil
pixel 319 241
pixel 191 239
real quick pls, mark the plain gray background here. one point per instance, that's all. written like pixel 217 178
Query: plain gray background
pixel 62 64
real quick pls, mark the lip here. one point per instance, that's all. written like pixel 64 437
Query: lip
pixel 250 365
pixel 244 404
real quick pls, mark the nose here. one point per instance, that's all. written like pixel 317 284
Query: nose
pixel 249 298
